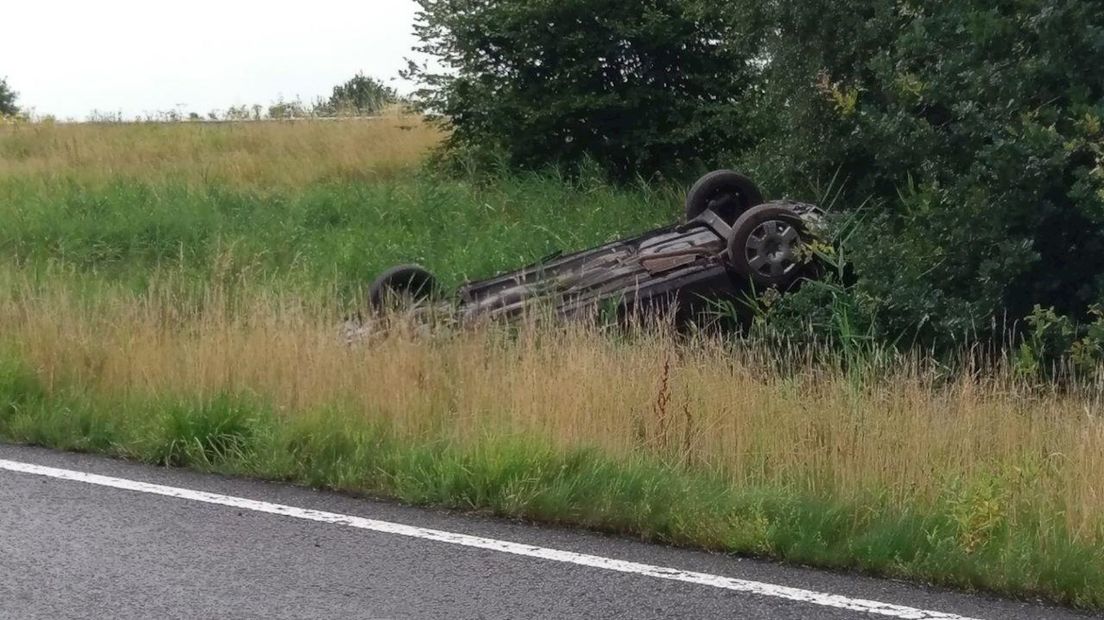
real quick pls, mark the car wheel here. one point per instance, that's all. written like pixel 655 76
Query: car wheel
pixel 766 245
pixel 402 286
pixel 724 192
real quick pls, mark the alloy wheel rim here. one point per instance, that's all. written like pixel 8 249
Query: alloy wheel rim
pixel 771 248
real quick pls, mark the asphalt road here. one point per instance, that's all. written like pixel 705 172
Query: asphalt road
pixel 79 546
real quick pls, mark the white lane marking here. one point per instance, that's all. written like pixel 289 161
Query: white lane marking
pixel 581 559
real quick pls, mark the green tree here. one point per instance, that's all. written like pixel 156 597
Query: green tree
pixel 973 126
pixel 638 87
pixel 7 99
pixel 360 95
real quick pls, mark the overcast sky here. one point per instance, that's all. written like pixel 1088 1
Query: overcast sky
pixel 68 58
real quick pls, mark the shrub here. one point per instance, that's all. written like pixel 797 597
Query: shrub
pixel 359 96
pixel 975 129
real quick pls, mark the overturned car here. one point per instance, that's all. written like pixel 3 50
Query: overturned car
pixel 731 244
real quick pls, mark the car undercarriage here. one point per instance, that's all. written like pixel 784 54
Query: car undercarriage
pixel 732 243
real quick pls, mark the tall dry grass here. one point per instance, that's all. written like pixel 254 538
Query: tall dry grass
pixel 275 153
pixel 1004 451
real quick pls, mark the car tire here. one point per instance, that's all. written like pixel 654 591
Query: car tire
pixel 725 192
pixel 410 283
pixel 766 245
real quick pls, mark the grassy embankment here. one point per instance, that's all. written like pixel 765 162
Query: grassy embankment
pixel 154 309
pixel 301 205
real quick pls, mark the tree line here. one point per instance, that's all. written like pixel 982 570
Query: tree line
pixel 361 95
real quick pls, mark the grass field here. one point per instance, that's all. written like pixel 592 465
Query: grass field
pixel 305 205
pixel 153 311
pixel 255 155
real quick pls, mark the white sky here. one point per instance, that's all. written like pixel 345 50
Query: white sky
pixel 69 57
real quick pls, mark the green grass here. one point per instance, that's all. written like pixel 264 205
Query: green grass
pixel 523 477
pixel 322 235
